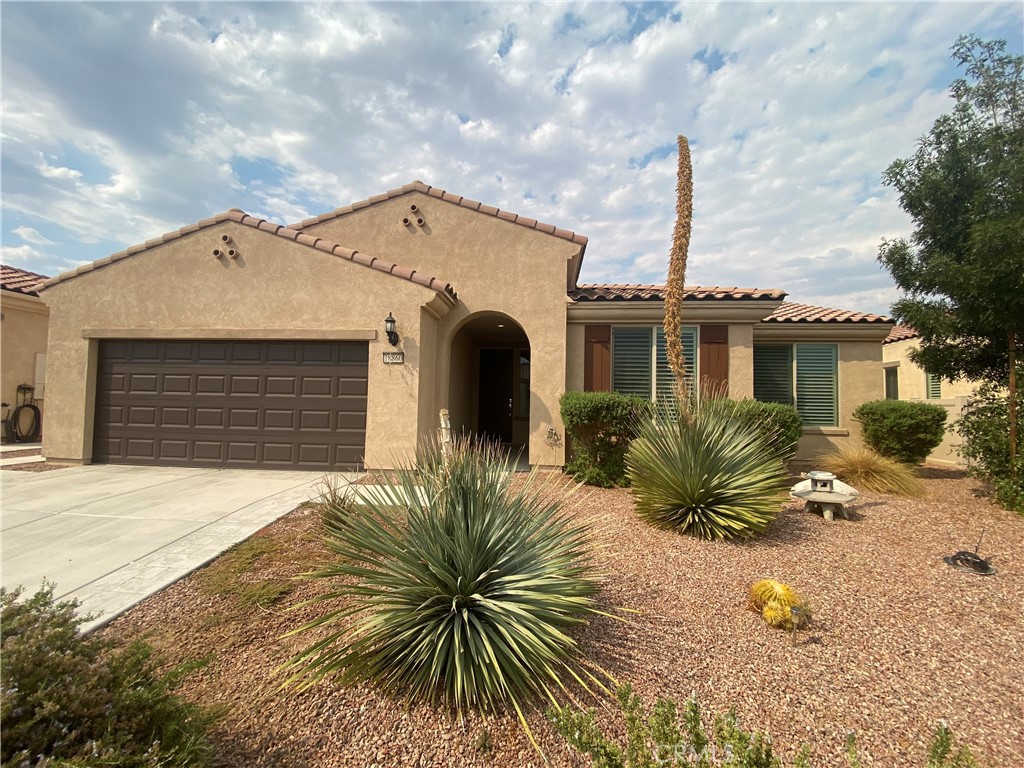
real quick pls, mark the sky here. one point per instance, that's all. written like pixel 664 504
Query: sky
pixel 125 121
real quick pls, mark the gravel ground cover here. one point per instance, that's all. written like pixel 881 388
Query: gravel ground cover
pixel 37 466
pixel 899 641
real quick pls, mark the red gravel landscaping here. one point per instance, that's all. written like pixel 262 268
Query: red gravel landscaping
pixel 899 641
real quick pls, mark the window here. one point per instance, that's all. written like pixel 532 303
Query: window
pixel 804 375
pixel 892 383
pixel 932 386
pixel 640 361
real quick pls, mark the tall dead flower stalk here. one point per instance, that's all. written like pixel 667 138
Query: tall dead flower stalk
pixel 676 283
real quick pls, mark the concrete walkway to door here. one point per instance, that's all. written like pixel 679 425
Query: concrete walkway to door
pixel 110 536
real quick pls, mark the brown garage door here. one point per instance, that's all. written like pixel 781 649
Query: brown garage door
pixel 266 404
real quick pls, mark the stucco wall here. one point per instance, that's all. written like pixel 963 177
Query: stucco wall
pixel 741 361
pixel 275 289
pixel 912 377
pixel 23 332
pixel 496 266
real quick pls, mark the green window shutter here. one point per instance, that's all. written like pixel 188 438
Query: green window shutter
pixel 665 380
pixel 816 384
pixel 933 386
pixel 773 373
pixel 631 361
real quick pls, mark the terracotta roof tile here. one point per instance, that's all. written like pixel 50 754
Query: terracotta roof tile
pixel 791 312
pixel 20 280
pixel 900 333
pixel 628 292
pixel 240 217
pixel 419 186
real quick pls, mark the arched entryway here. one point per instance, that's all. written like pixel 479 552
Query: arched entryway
pixel 489 382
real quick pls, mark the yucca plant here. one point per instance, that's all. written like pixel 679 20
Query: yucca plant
pixel 708 474
pixel 453 588
pixel 866 470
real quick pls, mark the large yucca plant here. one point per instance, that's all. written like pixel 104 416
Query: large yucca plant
pixel 453 587
pixel 707 474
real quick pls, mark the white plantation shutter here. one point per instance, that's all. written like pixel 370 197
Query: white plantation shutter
pixel 631 361
pixel 666 391
pixel 816 384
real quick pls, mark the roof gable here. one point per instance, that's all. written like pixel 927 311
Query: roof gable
pixel 20 280
pixel 440 194
pixel 240 217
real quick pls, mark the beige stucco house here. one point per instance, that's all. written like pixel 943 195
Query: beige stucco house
pixel 238 342
pixel 906 380
pixel 23 342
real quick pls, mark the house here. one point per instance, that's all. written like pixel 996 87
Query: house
pixel 23 327
pixel 334 342
pixel 906 380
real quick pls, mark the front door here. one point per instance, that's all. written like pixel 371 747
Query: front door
pixel 496 393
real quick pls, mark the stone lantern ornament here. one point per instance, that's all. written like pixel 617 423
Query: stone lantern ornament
pixel 823 494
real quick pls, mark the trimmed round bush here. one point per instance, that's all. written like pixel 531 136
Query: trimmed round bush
pixel 453 588
pixel 902 430
pixel 708 474
pixel 780 425
pixel 600 426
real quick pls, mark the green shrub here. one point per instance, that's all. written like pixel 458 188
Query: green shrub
pixel 660 738
pixel 985 429
pixel 464 596
pixel 709 474
pixel 780 425
pixel 600 426
pixel 901 430
pixel 74 700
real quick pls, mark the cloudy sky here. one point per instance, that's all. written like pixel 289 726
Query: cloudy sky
pixel 125 121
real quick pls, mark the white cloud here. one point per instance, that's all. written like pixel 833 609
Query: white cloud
pixel 30 235
pixel 148 117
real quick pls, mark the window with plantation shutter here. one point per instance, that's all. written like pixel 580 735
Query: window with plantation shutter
pixel 631 361
pixel 804 375
pixel 933 386
pixel 640 361
pixel 666 390
pixel 816 385
pixel 773 373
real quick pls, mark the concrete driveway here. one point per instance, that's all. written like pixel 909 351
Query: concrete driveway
pixel 111 536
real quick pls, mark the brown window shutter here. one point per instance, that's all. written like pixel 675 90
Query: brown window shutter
pixel 597 358
pixel 714 357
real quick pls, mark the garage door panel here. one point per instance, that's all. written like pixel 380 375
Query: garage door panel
pixel 244 404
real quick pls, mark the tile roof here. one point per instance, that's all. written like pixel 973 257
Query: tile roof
pixel 19 280
pixel 619 292
pixel 900 333
pixel 465 202
pixel 791 312
pixel 241 217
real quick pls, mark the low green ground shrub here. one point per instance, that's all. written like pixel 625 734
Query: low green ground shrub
pixel 984 427
pixel 661 738
pixel 708 473
pixel 902 430
pixel 600 426
pixel 465 596
pixel 74 700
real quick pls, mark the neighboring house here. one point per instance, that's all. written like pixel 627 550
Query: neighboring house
pixel 906 380
pixel 23 343
pixel 238 342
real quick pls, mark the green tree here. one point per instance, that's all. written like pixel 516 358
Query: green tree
pixel 962 270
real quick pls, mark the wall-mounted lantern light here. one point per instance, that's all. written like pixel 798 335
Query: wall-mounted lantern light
pixel 389 329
